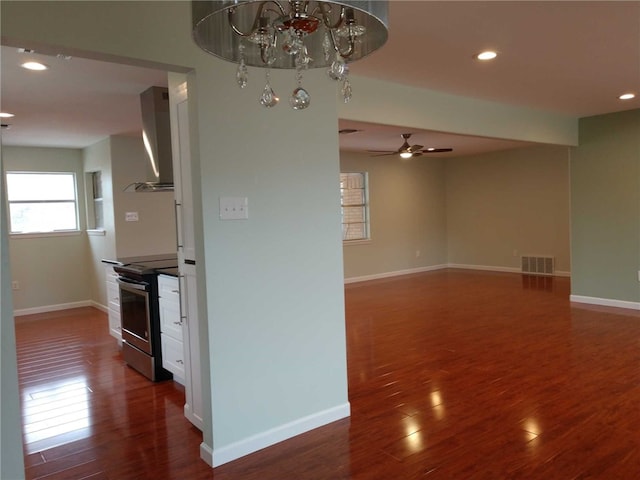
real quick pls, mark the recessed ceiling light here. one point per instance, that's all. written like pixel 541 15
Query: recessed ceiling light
pixel 486 55
pixel 34 66
pixel 430 149
pixel 6 115
pixel 627 96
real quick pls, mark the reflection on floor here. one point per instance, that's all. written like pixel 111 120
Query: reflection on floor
pixel 87 415
pixel 56 413
pixel 452 375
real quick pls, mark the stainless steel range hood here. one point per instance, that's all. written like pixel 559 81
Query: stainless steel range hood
pixel 156 136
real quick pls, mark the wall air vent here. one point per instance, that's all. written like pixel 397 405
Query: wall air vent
pixel 536 265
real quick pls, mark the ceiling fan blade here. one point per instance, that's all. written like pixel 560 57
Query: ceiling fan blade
pixel 383 154
pixel 438 150
pixel 415 148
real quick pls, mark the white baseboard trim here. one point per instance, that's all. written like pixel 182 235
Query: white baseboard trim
pixel 275 435
pixel 485 268
pixel 396 273
pixel 431 268
pixel 99 306
pixel 206 454
pixel 52 308
pixel 605 302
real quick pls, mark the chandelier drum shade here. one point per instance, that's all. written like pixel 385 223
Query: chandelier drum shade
pixel 290 35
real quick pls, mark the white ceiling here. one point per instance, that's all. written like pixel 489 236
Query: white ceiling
pixel 569 57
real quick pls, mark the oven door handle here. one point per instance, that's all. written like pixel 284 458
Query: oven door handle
pixel 136 286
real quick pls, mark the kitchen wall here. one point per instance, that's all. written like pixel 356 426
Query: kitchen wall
pixel 407 216
pixel 605 210
pixel 38 259
pixel 155 231
pixel 39 262
pixel 501 205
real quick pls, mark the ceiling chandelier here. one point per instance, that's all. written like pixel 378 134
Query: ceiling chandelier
pixel 292 35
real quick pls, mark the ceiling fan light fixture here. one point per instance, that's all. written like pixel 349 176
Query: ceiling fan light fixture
pixel 35 66
pixel 406 154
pixel 291 35
pixel 486 55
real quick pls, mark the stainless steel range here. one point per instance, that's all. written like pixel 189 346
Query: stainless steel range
pixel 140 317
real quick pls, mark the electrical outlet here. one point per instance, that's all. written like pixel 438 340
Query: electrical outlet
pixel 15 285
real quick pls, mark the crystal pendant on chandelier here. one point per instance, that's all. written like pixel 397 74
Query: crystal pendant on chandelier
pixel 346 90
pixel 242 73
pixel 300 98
pixel 327 47
pixel 338 69
pixel 292 43
pixel 268 98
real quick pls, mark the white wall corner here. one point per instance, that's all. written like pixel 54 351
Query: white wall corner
pixel 275 435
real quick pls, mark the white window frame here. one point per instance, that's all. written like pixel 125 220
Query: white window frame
pixel 94 202
pixel 365 208
pixel 61 232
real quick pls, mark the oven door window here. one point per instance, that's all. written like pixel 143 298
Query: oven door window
pixel 134 305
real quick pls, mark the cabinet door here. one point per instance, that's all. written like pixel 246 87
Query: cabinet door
pixel 170 321
pixel 169 303
pixel 193 408
pixel 113 303
pixel 183 192
pixel 173 357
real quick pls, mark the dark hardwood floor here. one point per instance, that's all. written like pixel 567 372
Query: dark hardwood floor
pixel 452 375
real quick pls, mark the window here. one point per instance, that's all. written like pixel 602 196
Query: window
pixel 95 215
pixel 354 206
pixel 42 202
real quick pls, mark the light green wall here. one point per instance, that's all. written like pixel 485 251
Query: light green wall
pixel 407 215
pixel 605 206
pixel 501 205
pixel 11 455
pixel 383 102
pixel 35 261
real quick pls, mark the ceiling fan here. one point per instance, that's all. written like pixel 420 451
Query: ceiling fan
pixel 409 151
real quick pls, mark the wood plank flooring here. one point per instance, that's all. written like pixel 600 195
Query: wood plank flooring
pixel 452 375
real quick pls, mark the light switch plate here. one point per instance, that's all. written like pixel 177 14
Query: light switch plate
pixel 131 216
pixel 234 208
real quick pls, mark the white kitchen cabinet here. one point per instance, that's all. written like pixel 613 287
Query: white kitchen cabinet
pixel 183 183
pixel 193 408
pixel 171 327
pixel 113 303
